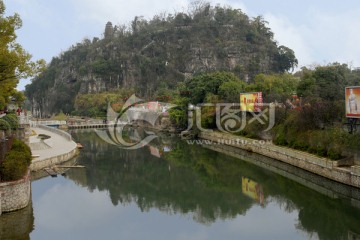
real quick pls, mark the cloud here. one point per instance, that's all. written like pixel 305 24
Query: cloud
pixel 33 13
pixel 55 214
pixel 289 35
pixel 336 36
pixel 123 12
pixel 321 37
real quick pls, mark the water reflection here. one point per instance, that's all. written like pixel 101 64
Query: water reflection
pixel 253 190
pixel 208 185
pixel 17 225
pixel 172 190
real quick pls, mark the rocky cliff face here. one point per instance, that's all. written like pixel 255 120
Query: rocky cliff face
pixel 158 54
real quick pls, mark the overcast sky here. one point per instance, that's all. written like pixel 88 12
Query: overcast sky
pixel 319 31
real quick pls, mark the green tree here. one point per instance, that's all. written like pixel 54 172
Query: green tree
pixel 286 59
pixel 204 84
pixel 230 91
pixel 15 62
pixel 277 87
pixel 326 82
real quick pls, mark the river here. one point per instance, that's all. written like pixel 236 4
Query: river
pixel 170 189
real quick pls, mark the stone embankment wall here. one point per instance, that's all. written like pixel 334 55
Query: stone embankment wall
pixel 55 158
pixel 321 166
pixel 15 195
pixel 37 165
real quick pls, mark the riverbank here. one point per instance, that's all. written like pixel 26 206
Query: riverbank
pixel 57 149
pixel 344 171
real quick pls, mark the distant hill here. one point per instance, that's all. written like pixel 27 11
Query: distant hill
pixel 160 53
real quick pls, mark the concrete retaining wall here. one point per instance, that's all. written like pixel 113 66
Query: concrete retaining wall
pixel 15 195
pixel 321 166
pixel 37 165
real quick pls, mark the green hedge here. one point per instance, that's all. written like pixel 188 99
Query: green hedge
pixel 8 122
pixel 16 162
pixel 21 147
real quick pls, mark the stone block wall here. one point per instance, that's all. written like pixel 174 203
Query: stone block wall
pixel 37 165
pixel 309 162
pixel 15 195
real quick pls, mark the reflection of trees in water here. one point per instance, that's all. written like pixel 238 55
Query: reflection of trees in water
pixel 137 176
pixel 204 183
pixel 329 218
pixel 17 225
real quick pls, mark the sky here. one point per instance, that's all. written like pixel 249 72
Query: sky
pixel 319 32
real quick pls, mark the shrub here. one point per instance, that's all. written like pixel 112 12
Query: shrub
pixel 16 162
pixel 321 151
pixel 4 125
pixel 12 120
pixel 334 154
pixel 280 135
pixel 21 147
pixel 13 168
pixel 178 117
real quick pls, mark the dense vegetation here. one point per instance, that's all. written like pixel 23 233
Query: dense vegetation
pixel 9 122
pixel 15 63
pixel 16 163
pixel 208 55
pixel 152 56
pixel 310 113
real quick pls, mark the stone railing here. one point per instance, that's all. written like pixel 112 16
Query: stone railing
pixel 46 123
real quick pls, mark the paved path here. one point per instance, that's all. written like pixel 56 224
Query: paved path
pixel 55 146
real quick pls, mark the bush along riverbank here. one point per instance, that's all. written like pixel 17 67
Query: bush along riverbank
pixel 307 125
pixel 15 159
pixel 291 130
pixel 309 108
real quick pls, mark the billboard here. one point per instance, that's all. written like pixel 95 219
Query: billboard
pixel 251 102
pixel 352 102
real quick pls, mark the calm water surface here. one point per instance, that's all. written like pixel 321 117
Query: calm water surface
pixel 171 190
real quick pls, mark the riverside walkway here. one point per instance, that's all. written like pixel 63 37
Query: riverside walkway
pixel 57 149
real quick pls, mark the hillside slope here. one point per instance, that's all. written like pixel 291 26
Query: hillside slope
pixel 159 53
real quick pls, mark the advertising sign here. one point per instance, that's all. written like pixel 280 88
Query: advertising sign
pixel 352 102
pixel 251 102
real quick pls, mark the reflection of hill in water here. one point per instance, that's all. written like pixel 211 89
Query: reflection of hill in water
pixel 207 184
